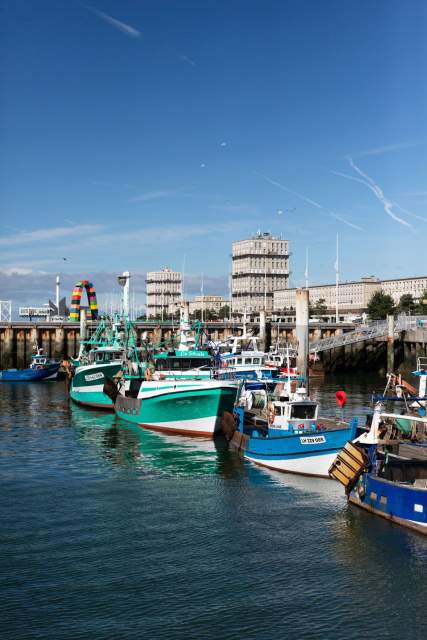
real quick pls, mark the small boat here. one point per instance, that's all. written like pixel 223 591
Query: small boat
pixel 384 470
pixel 283 358
pixel 41 368
pixel 282 431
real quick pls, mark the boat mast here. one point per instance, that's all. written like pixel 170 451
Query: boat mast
pixel 337 281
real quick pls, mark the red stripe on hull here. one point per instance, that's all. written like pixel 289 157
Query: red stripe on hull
pixel 186 432
pixel 94 405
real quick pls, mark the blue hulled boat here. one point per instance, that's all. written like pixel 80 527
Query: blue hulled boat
pixel 282 431
pixel 41 368
pixel 384 470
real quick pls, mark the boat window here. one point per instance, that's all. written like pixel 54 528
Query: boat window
pixel 99 357
pixel 303 411
pixel 181 364
pixel 255 360
pixel 277 410
pixel 239 361
pixel 163 365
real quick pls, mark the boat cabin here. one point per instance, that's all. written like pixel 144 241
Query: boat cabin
pixel 179 361
pixel 38 361
pixel 105 355
pixel 245 360
pixel 294 416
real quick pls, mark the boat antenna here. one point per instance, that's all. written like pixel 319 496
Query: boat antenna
pixel 337 282
pixel 183 279
pixel 306 268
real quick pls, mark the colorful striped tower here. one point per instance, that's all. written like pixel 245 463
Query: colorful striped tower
pixel 76 300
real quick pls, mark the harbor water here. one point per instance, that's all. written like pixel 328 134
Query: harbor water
pixel 110 531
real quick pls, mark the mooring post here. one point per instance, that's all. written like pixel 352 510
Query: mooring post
pixel 390 344
pixel 83 327
pixel 59 352
pixel 301 312
pixel 8 355
pixel 262 330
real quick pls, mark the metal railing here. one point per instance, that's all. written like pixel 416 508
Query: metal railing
pixel 363 333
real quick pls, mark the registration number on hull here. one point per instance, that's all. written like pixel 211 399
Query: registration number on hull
pixel 312 439
pixel 94 376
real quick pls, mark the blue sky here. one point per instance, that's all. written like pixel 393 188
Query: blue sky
pixel 136 132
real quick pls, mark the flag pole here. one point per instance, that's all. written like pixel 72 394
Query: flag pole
pixel 337 281
pixel 306 268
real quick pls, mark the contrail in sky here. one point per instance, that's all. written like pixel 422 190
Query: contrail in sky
pixel 117 24
pixel 376 190
pixel 313 203
pixel 386 149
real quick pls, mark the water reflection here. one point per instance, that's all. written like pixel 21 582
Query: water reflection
pixel 126 445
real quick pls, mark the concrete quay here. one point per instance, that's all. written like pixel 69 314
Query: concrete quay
pixel 61 340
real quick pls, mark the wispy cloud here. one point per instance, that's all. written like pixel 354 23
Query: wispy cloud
pixel 368 182
pixel 376 151
pixel 311 202
pixel 159 194
pixel 117 24
pixel 164 234
pixel 231 208
pixel 188 61
pixel 46 235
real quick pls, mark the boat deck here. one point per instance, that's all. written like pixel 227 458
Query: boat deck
pixel 256 418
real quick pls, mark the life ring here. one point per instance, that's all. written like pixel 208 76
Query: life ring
pixel 39 366
pixel 147 374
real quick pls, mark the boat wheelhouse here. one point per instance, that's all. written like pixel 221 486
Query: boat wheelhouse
pixel 87 384
pixel 182 364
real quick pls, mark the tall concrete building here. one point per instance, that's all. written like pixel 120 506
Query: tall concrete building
pixel 260 265
pixel 164 290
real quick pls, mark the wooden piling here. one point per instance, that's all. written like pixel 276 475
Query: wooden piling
pixel 390 344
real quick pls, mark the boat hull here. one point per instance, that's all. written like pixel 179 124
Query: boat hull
pixel 305 452
pixel 49 372
pixel 316 465
pixel 405 505
pixel 87 385
pixel 184 409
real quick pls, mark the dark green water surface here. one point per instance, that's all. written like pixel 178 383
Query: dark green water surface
pixel 109 531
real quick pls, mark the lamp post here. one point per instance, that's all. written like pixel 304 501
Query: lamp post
pixel 124 281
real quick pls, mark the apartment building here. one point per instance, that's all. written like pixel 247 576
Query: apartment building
pixel 260 265
pixel 164 290
pixel 353 296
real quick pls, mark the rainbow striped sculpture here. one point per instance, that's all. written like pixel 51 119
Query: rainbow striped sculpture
pixel 76 300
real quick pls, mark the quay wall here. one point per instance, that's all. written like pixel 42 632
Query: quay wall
pixel 372 355
pixel 61 340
